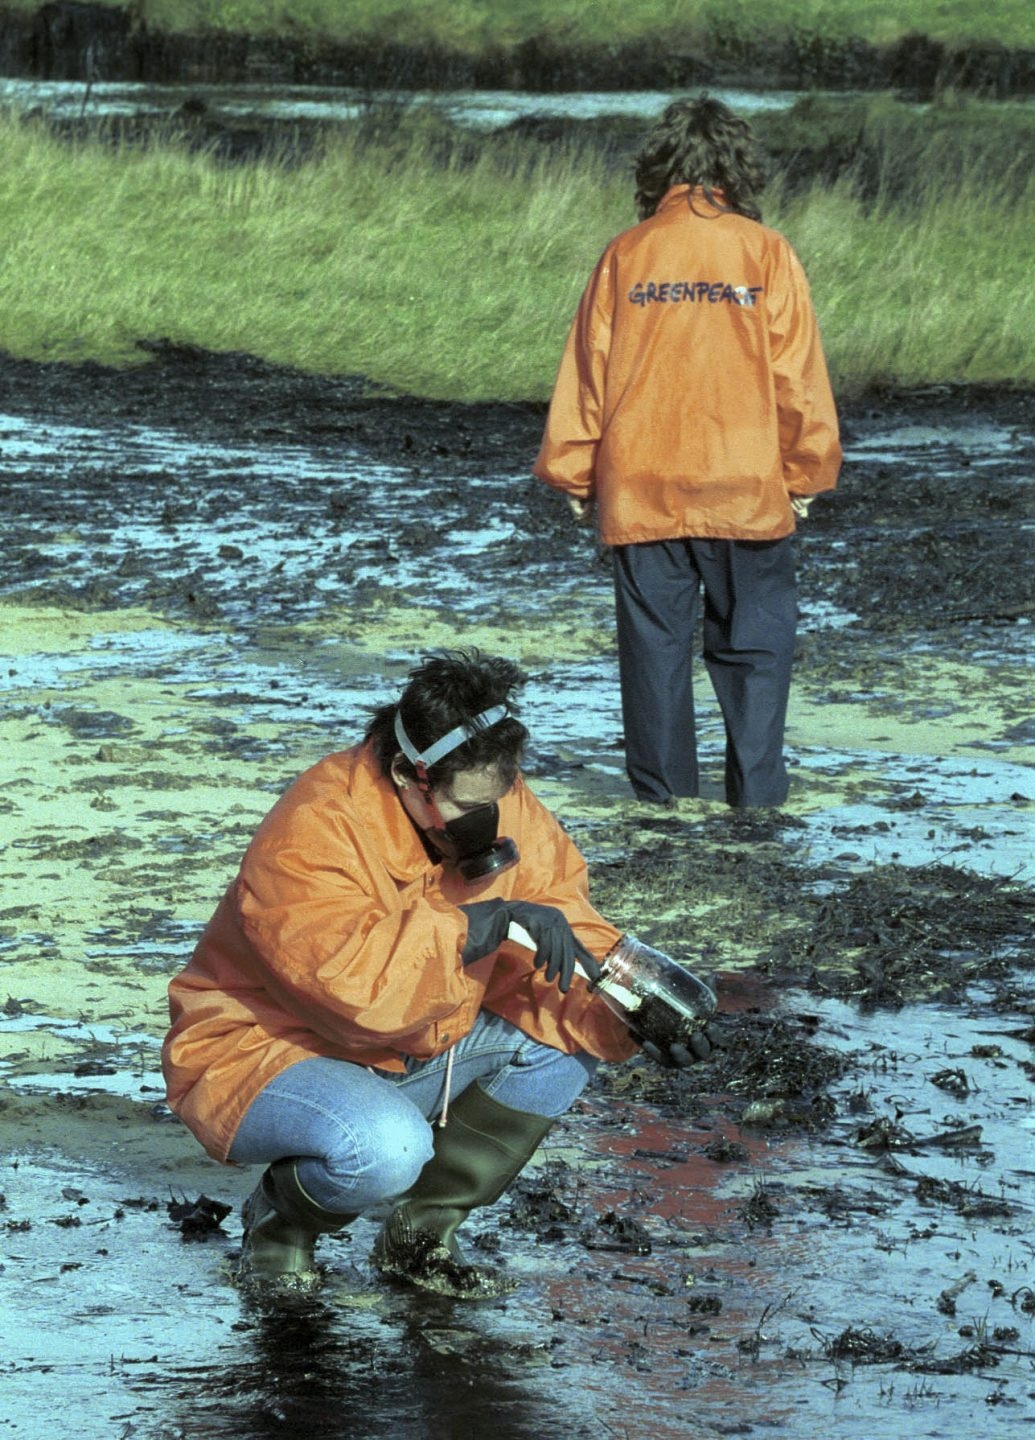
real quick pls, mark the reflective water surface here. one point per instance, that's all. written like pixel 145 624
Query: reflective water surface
pixel 484 109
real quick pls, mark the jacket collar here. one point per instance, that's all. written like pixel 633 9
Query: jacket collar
pixel 679 194
pixel 376 801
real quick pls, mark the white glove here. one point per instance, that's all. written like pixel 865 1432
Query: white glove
pixel 581 509
pixel 800 505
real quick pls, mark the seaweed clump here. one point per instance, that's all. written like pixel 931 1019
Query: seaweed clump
pixel 781 1073
pixel 898 934
pixel 764 1068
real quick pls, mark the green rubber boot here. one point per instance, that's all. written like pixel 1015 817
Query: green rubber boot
pixel 281 1223
pixel 479 1151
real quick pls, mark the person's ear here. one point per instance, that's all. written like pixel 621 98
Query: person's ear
pixel 399 777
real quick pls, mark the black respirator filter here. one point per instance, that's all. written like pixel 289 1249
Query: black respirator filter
pixel 472 845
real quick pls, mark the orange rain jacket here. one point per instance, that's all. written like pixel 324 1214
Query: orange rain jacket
pixel 692 397
pixel 340 937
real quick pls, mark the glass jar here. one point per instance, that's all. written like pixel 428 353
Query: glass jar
pixel 656 997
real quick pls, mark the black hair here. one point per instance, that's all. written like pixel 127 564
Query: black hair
pixel 450 688
pixel 700 142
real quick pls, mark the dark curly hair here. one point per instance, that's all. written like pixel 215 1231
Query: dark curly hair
pixel 449 688
pixel 700 142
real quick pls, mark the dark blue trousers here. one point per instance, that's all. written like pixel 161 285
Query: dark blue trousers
pixel 750 615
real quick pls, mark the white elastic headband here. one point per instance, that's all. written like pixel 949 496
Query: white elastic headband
pixel 457 736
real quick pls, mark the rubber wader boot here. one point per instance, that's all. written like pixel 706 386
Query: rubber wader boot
pixel 478 1152
pixel 281 1223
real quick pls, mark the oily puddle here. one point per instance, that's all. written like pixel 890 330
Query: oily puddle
pixel 933 809
pixel 482 109
pixel 276 531
pixel 283 533
pixel 680 1262
pixel 984 445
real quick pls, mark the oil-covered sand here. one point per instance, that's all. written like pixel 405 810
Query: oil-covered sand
pixel 210 569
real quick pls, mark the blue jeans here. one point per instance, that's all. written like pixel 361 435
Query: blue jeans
pixel 362 1136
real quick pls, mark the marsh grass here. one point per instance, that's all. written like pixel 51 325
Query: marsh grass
pixel 450 269
pixel 413 265
pixel 919 255
pixel 941 293
pixel 474 25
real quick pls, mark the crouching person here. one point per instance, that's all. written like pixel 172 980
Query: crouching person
pixel 355 1017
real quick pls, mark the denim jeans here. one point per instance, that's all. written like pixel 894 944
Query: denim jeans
pixel 362 1136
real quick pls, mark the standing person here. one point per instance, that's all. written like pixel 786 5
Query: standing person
pixel 357 982
pixel 692 405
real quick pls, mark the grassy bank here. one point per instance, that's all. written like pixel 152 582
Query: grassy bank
pixel 477 24
pixel 454 274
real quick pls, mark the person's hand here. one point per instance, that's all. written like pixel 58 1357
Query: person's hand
pixel 487 922
pixel 698 1046
pixel 557 947
pixel 581 509
pixel 800 505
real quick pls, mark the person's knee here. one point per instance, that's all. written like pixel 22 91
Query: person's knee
pixel 381 1157
pixel 397 1172
pixel 579 1073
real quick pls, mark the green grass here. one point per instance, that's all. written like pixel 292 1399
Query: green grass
pixel 453 274
pixel 920 261
pixel 474 24
pixel 382 264
pixel 928 297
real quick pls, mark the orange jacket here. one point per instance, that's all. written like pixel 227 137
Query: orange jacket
pixel 340 937
pixel 692 397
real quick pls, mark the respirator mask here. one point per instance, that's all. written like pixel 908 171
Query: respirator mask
pixel 470 843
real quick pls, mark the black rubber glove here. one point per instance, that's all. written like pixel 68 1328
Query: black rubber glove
pixel 698 1046
pixel 487 922
pixel 556 946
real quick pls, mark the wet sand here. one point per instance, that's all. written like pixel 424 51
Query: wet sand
pixel 211 568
